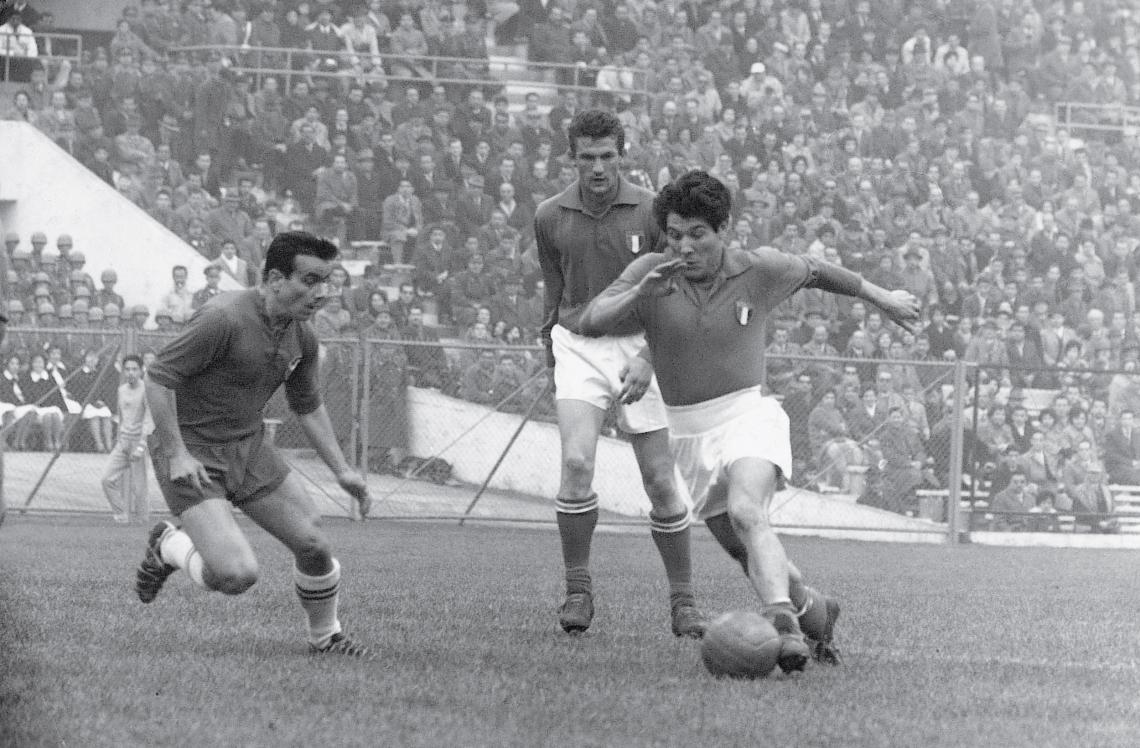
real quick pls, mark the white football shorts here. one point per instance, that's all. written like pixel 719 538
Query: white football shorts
pixel 589 369
pixel 708 437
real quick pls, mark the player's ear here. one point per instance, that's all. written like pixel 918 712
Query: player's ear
pixel 274 278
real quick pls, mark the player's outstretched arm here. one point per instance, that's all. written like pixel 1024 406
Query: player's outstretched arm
pixel 615 304
pixel 319 430
pixel 901 307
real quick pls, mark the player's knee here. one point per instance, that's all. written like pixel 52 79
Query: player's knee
pixel 748 517
pixel 312 548
pixel 578 469
pixel 659 486
pixel 234 578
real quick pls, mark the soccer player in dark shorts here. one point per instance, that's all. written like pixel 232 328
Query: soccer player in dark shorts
pixel 703 307
pixel 207 392
pixel 586 236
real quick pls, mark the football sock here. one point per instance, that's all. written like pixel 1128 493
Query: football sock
pixel 576 521
pixel 671 535
pixel 721 528
pixel 318 597
pixel 177 549
pixel 779 606
pixel 800 594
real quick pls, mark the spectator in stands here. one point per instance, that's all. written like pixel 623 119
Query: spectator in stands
pixel 40 390
pixel 904 454
pixel 402 218
pixel 179 300
pixel 228 222
pixel 1040 467
pixel 427 364
pixel 469 290
pixel 213 275
pixel 17 413
pixel 1122 451
pixel 229 263
pixel 1011 505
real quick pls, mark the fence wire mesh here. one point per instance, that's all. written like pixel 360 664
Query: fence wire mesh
pixel 431 421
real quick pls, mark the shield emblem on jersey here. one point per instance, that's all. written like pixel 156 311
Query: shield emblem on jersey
pixel 744 312
pixel 636 242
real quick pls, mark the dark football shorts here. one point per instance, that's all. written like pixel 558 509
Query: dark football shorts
pixel 241 471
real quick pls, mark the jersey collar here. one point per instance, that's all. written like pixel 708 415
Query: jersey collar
pixel 571 198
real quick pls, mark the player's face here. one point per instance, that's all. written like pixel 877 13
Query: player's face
pixel 598 161
pixel 301 294
pixel 697 243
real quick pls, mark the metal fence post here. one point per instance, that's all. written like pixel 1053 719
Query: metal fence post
pixel 954 477
pixel 354 404
pixel 365 402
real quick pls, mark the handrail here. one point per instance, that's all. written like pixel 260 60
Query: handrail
pixel 48 48
pixel 1113 117
pixel 297 63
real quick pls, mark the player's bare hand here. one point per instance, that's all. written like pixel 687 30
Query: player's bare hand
pixel 659 280
pixel 355 485
pixel 185 468
pixel 635 379
pixel 902 308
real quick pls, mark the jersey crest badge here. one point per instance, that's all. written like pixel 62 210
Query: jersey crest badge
pixel 635 243
pixel 744 312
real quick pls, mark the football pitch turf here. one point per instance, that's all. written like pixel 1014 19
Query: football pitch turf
pixel 944 646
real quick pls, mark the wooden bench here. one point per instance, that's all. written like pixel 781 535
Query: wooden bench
pixel 1126 506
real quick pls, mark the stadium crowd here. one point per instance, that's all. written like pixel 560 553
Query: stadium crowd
pixel 914 142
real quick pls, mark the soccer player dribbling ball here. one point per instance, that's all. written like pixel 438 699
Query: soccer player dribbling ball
pixel 702 307
pixel 207 392
pixel 586 236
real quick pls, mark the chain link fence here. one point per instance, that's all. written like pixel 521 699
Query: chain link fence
pixel 1047 449
pixel 878 444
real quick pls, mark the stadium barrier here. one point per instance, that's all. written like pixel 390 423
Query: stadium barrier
pixel 399 415
pixel 51 49
pixel 1068 490
pixel 338 66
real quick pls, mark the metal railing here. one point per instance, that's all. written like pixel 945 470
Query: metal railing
pixel 291 63
pixel 1075 116
pixel 50 48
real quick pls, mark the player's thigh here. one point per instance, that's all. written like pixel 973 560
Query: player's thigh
pixel 654 457
pixel 579 424
pixel 224 548
pixel 751 486
pixel 289 514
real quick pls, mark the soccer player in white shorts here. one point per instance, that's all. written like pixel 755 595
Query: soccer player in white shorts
pixel 702 308
pixel 586 236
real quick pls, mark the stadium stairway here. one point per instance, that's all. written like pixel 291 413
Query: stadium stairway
pixel 43 188
pixel 509 64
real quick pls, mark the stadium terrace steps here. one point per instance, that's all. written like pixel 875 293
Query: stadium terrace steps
pixel 43 188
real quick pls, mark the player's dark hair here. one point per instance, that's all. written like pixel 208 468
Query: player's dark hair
pixel 695 195
pixel 285 247
pixel 133 357
pixel 596 124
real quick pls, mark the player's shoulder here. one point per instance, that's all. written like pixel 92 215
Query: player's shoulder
pixel 764 256
pixel 553 204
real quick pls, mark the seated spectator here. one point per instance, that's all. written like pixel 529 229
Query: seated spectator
pixel 1122 451
pixel 41 391
pixel 332 320
pixel 229 263
pixel 427 364
pixel 213 275
pixel 17 414
pixel 96 388
pixel 1040 467
pixel 179 300
pixel 469 290
pixel 1011 503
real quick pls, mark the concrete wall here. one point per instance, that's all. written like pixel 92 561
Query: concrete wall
pixel 42 188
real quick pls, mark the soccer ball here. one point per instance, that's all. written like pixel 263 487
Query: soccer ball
pixel 740 644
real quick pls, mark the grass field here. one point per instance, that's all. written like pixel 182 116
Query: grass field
pixel 944 646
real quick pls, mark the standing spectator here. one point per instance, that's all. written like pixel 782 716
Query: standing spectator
pixel 180 301
pixel 90 385
pixel 124 480
pixel 302 160
pixel 213 275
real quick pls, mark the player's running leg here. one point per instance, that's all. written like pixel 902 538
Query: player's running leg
pixel 289 514
pixel 579 424
pixel 809 602
pixel 752 484
pixel 669 521
pixel 209 546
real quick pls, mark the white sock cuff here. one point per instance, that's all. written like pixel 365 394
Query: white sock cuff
pixel 576 506
pixel 674 525
pixel 176 549
pixel 317 584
